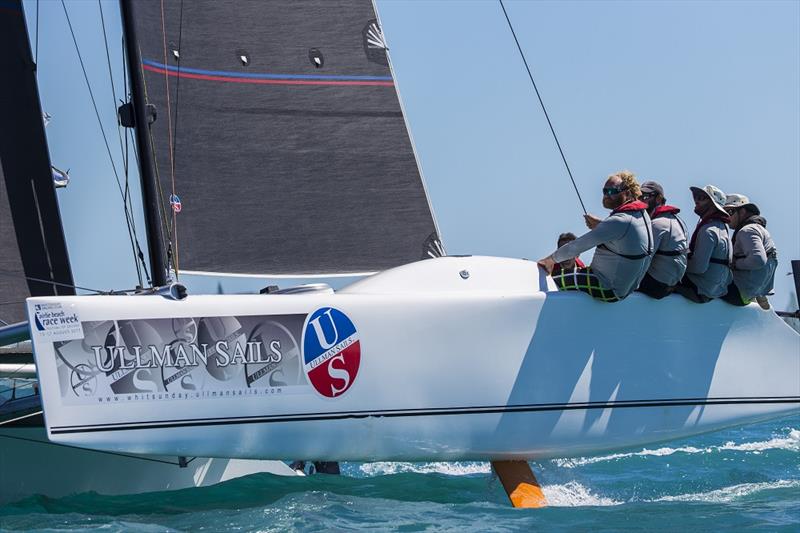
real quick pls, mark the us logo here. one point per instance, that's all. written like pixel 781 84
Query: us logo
pixel 331 351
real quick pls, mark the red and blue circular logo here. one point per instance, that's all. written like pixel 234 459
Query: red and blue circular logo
pixel 331 351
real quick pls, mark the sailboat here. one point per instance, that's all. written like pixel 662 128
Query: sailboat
pixel 301 163
pixel 34 262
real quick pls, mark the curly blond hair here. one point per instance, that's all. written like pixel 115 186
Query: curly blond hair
pixel 629 182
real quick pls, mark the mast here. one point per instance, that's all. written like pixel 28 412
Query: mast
pixel 150 198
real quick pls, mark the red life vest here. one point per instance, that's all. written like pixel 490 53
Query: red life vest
pixel 664 210
pixel 636 205
pixel 716 215
pixel 669 210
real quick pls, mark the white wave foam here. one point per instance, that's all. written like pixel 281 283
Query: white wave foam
pixel 573 494
pixel 660 452
pixel 450 469
pixel 790 442
pixel 729 494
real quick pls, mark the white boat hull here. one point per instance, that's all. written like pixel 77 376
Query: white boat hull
pixel 460 358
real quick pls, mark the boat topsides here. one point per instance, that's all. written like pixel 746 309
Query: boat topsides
pixel 457 274
pixel 459 357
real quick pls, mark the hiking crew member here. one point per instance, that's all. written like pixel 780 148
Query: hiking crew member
pixel 707 272
pixel 755 257
pixel 624 243
pixel 668 264
pixel 570 264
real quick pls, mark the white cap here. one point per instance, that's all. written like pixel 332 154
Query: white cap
pixel 716 195
pixel 740 200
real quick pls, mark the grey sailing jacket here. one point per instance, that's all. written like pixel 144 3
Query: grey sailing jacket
pixel 670 247
pixel 755 259
pixel 623 232
pixel 712 279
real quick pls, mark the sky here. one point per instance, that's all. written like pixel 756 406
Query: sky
pixel 686 93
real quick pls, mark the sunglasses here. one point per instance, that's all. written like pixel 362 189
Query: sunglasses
pixel 647 195
pixel 612 191
pixel 730 210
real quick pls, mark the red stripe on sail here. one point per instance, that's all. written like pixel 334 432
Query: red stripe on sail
pixel 229 79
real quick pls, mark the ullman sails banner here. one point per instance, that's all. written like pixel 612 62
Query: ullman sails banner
pixel 173 359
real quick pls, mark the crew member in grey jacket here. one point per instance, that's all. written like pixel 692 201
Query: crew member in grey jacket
pixel 707 272
pixel 669 244
pixel 755 257
pixel 623 244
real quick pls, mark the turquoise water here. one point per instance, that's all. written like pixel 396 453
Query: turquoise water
pixel 746 478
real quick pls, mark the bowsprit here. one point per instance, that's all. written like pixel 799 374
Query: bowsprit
pixel 331 351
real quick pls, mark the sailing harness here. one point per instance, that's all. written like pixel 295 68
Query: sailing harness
pixel 636 205
pixel 716 215
pixel 669 210
pixel 754 219
pixel 761 221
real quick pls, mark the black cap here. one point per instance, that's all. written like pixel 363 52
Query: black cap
pixel 652 186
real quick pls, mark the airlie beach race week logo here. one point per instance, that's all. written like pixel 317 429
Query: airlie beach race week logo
pixel 331 351
pixel 55 323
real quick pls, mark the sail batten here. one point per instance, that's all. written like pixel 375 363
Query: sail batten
pixel 291 153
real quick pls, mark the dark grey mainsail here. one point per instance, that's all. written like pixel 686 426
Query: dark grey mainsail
pixel 281 135
pixel 13 286
pixel 33 252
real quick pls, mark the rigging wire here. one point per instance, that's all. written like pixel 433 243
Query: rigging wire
pixel 51 282
pixel 164 224
pixel 139 253
pixel 110 72
pixel 126 161
pixel 541 102
pixel 175 133
pixel 170 135
pixel 5 422
pixel 125 197
pixel 16 387
pixel 100 122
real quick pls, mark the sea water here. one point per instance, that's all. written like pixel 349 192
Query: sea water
pixel 739 479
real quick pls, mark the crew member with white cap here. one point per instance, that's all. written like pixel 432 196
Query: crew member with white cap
pixel 707 272
pixel 669 243
pixel 755 257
